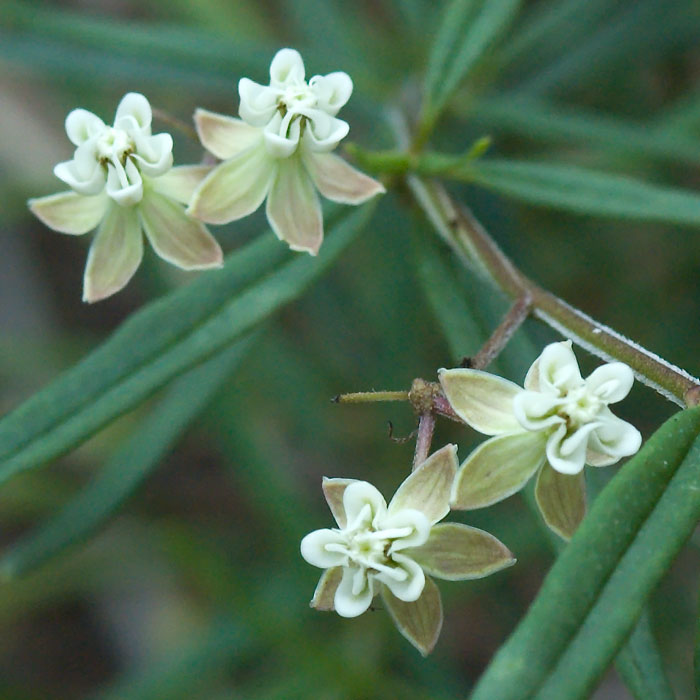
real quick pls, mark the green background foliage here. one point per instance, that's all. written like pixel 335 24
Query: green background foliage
pixel 182 427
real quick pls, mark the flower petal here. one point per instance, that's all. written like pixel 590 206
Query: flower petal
pixel 84 173
pixel 323 132
pixel 339 181
pixel 176 237
pixel 421 621
pixel 556 369
pixel 409 587
pixel 224 136
pixel 235 188
pixel 615 437
pixel 258 103
pixel 82 125
pixel 135 106
pixel 597 459
pixel 406 518
pixel 428 488
pixel 313 549
pixel 482 400
pixel 333 490
pixel 293 209
pixel 287 68
pixel 561 499
pixel 332 91
pixel 350 598
pixel 154 154
pixel 567 454
pixel 69 212
pixel 180 183
pixel 536 411
pixel 282 135
pixel 611 382
pixel 124 183
pixel 457 552
pixel 114 254
pixel 324 594
pixel 497 469
pixel 358 495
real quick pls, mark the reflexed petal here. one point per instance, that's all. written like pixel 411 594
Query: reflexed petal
pixel 352 599
pixel 69 212
pixel 332 91
pixel 114 254
pixel 136 106
pixel 615 437
pixel 410 588
pixel 154 154
pixel 557 369
pixel 561 499
pixel 497 469
pixel 82 125
pixel 457 552
pixel 421 621
pixel 287 68
pixel 406 518
pixel 323 132
pixel 428 488
pixel 124 184
pixel 536 411
pixel 339 181
pixel 282 136
pixel 258 103
pixel 358 495
pixel 235 188
pixel 482 400
pixel 293 209
pixel 333 490
pixel 313 549
pixel 84 173
pixel 180 183
pixel 176 237
pixel 224 136
pixel 568 454
pixel 611 382
pixel 325 590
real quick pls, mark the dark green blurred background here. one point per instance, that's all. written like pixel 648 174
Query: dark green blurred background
pixel 195 589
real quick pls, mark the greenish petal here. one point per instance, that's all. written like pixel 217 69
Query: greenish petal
pixel 180 183
pixel 70 212
pixel 333 490
pixel 457 552
pixel 224 136
pixel 325 590
pixel 561 499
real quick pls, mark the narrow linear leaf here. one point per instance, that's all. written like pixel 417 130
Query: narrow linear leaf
pixel 128 467
pixel 596 590
pixel 168 337
pixel 640 665
pixel 584 191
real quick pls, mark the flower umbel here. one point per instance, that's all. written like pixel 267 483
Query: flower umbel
pixel 556 424
pixel 389 549
pixel 280 150
pixel 122 180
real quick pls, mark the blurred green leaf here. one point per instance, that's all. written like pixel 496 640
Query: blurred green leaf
pixel 597 588
pixel 128 467
pixel 469 29
pixel 640 665
pixel 584 191
pixel 166 338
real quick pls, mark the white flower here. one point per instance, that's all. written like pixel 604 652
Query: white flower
pixel 122 179
pixel 389 549
pixel 556 424
pixel 280 150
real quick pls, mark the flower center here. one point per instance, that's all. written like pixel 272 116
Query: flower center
pixel 581 407
pixel 296 97
pixel 114 145
pixel 369 548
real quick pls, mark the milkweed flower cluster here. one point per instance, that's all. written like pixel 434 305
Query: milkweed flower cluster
pixel 393 549
pixel 124 184
pixel 552 427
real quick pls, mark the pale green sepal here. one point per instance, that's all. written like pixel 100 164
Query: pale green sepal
pixel 429 487
pixel 333 490
pixel 179 183
pixel 176 237
pixel 325 590
pixel 235 188
pixel 70 212
pixel 482 400
pixel 114 255
pixel 224 136
pixel 293 208
pixel 457 552
pixel 339 181
pixel 497 469
pixel 420 621
pixel 561 499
